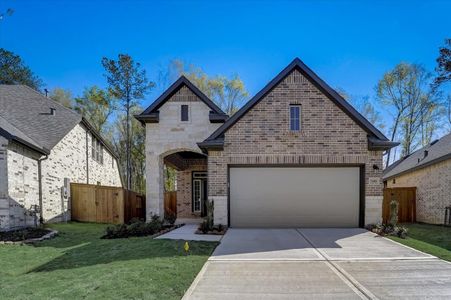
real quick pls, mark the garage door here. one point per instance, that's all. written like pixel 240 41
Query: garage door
pixel 294 197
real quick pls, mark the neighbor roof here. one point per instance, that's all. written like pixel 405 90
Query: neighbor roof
pixel 437 151
pixel 379 138
pixel 25 117
pixel 151 113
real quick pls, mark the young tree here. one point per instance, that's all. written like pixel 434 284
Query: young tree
pixel 406 91
pixel 14 71
pixel 228 93
pixel 127 82
pixel 62 96
pixel 443 68
pixel 96 105
pixel 137 148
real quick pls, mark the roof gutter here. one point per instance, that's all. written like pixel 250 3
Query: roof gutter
pixel 375 144
pixel 429 163
pixel 217 144
pixel 17 139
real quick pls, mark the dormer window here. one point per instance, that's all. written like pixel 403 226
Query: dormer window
pixel 184 113
pixel 295 117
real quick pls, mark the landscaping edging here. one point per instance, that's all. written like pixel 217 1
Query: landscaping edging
pixel 52 233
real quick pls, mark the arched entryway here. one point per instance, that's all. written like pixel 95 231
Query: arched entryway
pixel 185 178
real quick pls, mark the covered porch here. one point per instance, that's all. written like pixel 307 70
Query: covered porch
pixel 185 186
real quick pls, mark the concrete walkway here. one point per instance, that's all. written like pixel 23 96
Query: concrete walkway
pixel 318 264
pixel 187 233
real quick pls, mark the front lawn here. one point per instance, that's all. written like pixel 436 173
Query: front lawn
pixel 78 264
pixel 432 239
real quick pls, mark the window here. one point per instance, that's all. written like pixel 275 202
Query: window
pixel 184 110
pixel 295 117
pixel 97 150
pixel 197 194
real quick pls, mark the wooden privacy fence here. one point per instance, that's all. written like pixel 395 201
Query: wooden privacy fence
pixel 407 209
pixel 170 203
pixel 105 204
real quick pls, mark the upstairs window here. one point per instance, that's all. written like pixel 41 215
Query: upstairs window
pixel 97 150
pixel 184 110
pixel 295 117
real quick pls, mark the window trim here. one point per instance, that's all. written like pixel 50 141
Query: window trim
pixel 293 118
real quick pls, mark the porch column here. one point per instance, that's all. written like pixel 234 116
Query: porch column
pixel 154 186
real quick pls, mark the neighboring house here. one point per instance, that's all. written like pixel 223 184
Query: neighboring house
pixel 297 154
pixel 43 147
pixel 429 170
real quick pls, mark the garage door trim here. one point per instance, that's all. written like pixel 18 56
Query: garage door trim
pixel 361 181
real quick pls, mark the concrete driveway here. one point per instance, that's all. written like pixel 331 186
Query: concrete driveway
pixel 318 264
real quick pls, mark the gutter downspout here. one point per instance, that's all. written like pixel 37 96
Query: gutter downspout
pixel 87 158
pixel 41 217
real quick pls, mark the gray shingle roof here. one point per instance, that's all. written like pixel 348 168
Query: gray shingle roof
pixel 437 151
pixel 28 114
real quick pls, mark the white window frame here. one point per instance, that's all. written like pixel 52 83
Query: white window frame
pixel 197 200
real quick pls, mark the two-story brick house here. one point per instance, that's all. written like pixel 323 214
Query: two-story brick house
pixel 43 147
pixel 297 154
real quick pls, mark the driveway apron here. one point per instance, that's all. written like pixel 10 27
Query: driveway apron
pixel 330 263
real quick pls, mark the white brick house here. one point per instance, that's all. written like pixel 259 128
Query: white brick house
pixel 42 145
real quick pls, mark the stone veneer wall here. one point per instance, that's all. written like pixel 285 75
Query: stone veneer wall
pixel 19 177
pixel 433 185
pixel 171 135
pixel 327 136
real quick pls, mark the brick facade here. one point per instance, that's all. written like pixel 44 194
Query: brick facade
pixel 327 136
pixel 19 177
pixel 184 191
pixel 433 185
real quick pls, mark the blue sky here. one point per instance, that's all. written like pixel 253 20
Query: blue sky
pixel 350 44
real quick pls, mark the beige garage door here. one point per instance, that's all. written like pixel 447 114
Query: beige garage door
pixel 294 197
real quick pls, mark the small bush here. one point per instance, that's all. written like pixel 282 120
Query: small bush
pixel 170 218
pixel 388 229
pixel 135 228
pixel 204 226
pixel 23 234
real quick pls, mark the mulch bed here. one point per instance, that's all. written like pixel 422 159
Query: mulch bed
pixel 26 235
pixel 212 232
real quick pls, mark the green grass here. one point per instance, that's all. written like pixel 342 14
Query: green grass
pixel 78 264
pixel 432 239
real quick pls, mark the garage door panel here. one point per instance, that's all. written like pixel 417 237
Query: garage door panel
pixel 291 197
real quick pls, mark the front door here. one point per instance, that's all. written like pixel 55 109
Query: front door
pixel 199 193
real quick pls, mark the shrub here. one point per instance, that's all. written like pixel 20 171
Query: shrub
pixel 170 217
pixel 135 228
pixel 388 229
pixel 204 226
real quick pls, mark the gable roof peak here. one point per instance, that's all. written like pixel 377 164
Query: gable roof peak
pixel 174 88
pixel 315 80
